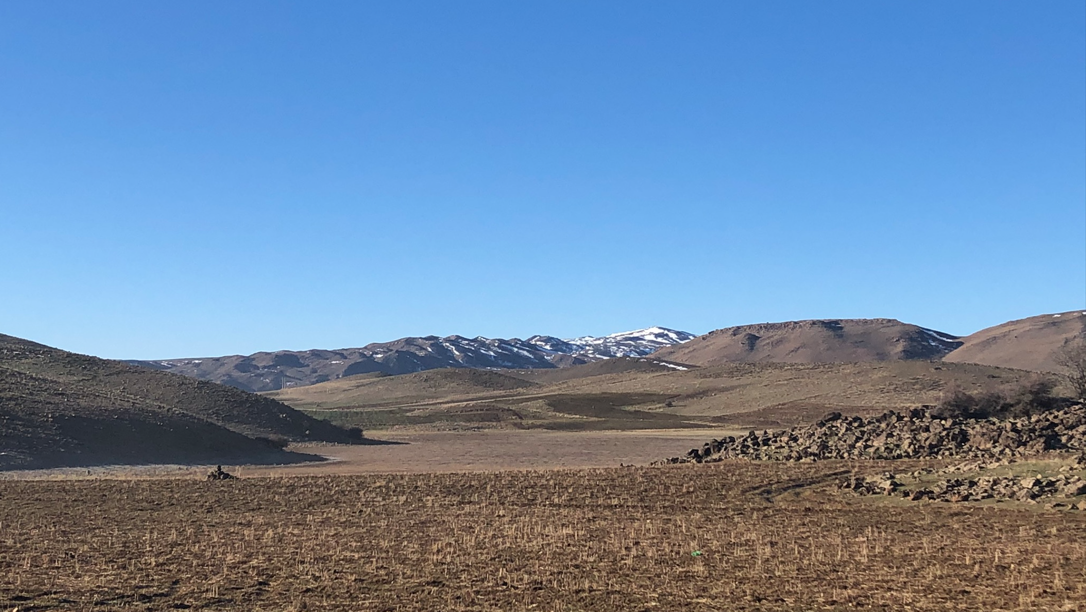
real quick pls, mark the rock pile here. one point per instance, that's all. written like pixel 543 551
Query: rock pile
pixel 219 474
pixel 913 434
pixel 1029 489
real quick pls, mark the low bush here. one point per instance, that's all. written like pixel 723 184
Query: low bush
pixel 1032 397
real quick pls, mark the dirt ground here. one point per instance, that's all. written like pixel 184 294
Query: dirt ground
pixel 727 536
pixel 497 450
pixel 488 450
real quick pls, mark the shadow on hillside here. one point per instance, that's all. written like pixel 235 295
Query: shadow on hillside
pixel 373 442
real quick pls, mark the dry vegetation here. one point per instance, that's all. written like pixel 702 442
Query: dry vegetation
pixel 770 537
pixel 648 396
pixel 1030 344
pixel 62 409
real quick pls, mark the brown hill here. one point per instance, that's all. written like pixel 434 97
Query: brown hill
pixel 420 387
pixel 815 341
pixel 1027 344
pixel 63 409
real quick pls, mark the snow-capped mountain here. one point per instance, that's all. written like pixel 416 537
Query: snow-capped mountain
pixel 269 371
pixel 637 343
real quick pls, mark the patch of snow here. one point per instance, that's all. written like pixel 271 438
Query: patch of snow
pixel 671 365
pixel 937 335
pixel 452 347
pixel 1055 315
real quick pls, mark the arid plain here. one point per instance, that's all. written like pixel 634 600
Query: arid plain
pixel 545 490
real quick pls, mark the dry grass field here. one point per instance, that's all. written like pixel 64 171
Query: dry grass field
pixel 436 451
pixel 728 536
pixel 638 394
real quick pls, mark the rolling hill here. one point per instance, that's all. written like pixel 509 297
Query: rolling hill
pixel 815 341
pixel 640 393
pixel 1028 344
pixel 63 409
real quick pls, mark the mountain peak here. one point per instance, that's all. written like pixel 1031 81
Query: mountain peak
pixel 636 343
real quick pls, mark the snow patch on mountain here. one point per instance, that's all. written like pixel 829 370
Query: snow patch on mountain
pixel 636 343
pixel 271 371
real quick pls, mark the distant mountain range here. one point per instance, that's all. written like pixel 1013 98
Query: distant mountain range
pixel 1028 344
pixel 270 371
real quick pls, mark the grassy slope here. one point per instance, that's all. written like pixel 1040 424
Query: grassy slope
pixel 814 341
pixel 1029 344
pixel 734 394
pixel 59 408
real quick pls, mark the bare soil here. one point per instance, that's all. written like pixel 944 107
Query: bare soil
pixel 496 450
pixel 435 452
pixel 730 536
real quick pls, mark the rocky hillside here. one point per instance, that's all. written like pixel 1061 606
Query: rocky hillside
pixel 271 371
pixel 1026 344
pixel 816 341
pixel 63 409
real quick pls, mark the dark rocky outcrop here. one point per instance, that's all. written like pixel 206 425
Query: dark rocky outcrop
pixel 913 434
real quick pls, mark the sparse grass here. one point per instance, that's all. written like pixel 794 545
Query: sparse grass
pixel 772 537
pixel 763 395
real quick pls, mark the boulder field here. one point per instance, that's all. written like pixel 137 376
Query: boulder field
pixel 918 433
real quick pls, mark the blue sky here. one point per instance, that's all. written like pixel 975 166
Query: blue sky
pixel 206 178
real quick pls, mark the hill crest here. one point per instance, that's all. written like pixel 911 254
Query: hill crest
pixel 64 409
pixel 814 341
pixel 1026 344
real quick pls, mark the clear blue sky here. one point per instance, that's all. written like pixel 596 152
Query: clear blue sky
pixel 205 178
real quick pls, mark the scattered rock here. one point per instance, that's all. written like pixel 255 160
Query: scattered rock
pixel 985 487
pixel 219 474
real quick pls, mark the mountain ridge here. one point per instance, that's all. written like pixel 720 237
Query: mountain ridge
pixel 803 341
pixel 814 341
pixel 274 370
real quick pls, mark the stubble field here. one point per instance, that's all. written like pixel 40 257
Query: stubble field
pixel 727 536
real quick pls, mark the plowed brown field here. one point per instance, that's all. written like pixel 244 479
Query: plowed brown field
pixel 728 536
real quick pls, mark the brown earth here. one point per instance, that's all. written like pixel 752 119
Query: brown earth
pixel 436 452
pixel 734 536
pixel 494 450
pixel 816 341
pixel 1028 344
pixel 641 394
pixel 59 408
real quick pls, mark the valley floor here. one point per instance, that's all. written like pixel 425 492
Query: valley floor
pixel 492 450
pixel 734 535
pixel 423 452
